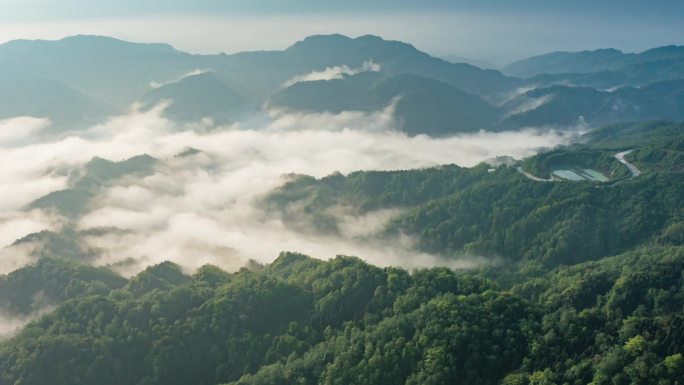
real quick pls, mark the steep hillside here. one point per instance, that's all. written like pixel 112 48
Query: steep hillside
pixel 563 105
pixel 205 95
pixel 500 213
pixel 422 105
pixel 67 108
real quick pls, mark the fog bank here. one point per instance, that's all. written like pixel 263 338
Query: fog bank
pixel 203 207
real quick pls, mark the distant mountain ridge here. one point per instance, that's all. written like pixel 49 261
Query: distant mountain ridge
pixel 661 63
pixel 82 80
pixel 112 70
pixel 46 98
pixel 197 96
pixel 480 63
pixel 568 62
pixel 564 105
pixel 425 105
pixel 422 105
pixel 120 73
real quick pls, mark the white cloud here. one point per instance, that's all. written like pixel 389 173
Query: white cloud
pixel 190 73
pixel 17 224
pixel 331 73
pixel 205 207
pixel 11 324
pixel 529 104
pixel 19 130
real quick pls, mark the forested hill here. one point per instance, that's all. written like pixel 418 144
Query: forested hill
pixel 579 282
pixel 498 212
pixel 305 321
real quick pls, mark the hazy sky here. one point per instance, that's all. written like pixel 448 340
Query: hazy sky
pixel 495 30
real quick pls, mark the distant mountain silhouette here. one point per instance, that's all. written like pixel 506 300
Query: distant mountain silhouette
pixel 568 62
pixel 96 173
pixel 120 72
pixel 198 96
pixel 484 64
pixel 563 105
pixel 66 107
pixel 111 70
pixel 657 64
pixel 81 80
pixel 427 106
pixel 423 105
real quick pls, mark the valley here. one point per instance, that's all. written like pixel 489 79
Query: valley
pixel 344 210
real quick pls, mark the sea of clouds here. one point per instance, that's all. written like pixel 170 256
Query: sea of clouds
pixel 206 207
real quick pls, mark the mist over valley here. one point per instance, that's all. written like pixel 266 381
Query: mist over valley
pixel 350 209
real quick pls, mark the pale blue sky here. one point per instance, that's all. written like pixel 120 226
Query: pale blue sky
pixel 497 30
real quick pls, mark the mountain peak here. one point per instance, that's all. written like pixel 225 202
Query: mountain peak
pixel 318 41
pixel 92 39
pixel 370 38
pixel 337 40
pixel 94 43
pixel 107 42
pixel 664 52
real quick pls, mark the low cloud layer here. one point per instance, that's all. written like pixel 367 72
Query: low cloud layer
pixel 195 72
pixel 11 324
pixel 203 207
pixel 331 73
pixel 530 104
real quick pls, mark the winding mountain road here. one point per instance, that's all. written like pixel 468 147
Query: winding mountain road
pixel 620 156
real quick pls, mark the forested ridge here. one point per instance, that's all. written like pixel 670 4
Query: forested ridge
pixel 305 321
pixel 583 284
pixel 496 211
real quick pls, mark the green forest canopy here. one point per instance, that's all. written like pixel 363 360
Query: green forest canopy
pixel 590 289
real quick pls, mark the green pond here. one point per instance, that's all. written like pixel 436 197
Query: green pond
pixel 579 174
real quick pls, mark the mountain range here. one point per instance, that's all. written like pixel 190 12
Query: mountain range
pixel 127 247
pixel 81 80
pixel 661 63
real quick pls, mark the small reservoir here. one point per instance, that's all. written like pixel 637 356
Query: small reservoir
pixel 579 174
